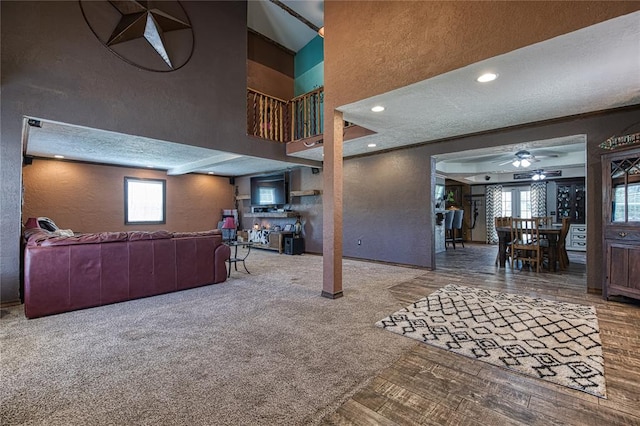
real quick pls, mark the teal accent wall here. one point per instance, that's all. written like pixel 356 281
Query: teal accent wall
pixel 309 67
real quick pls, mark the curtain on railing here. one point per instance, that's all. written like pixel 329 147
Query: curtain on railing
pixel 307 113
pixel 538 199
pixel 494 209
pixel 267 117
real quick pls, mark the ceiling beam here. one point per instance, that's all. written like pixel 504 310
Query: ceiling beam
pixel 201 164
pixel 296 15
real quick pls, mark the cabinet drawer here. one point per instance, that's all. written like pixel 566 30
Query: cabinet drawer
pixel 578 229
pixel 577 246
pixel 622 235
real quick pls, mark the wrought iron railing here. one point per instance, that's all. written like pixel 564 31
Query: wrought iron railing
pixel 271 118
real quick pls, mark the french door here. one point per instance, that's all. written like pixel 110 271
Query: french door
pixel 516 202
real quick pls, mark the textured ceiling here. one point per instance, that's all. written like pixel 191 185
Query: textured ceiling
pixel 567 154
pixel 100 146
pixel 593 69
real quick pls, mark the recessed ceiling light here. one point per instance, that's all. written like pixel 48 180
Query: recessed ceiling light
pixel 372 145
pixel 58 156
pixel 377 108
pixel 487 77
pixel 210 173
pixel 150 166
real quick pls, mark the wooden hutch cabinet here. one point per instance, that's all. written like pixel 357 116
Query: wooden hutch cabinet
pixel 571 203
pixel 570 200
pixel 621 223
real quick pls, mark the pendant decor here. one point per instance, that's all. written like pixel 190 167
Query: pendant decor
pixel 151 35
pixel 619 141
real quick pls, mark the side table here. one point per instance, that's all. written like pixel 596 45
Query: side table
pixel 234 260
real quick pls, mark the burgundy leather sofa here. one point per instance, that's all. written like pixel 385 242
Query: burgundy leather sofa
pixel 67 273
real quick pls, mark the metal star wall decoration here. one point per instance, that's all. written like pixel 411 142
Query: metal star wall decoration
pixel 138 19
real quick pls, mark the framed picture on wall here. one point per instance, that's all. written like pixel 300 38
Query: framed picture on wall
pixel 453 196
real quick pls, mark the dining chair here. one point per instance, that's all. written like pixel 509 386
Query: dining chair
pixel 561 251
pixel 448 229
pixel 525 242
pixel 502 222
pixel 458 215
pixel 544 220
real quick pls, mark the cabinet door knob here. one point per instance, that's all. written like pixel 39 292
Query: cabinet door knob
pixel 622 234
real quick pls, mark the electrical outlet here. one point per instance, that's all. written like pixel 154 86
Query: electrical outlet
pixel 359 242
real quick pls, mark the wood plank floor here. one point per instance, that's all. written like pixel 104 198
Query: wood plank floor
pixel 430 386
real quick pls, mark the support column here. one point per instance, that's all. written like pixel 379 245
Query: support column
pixel 332 210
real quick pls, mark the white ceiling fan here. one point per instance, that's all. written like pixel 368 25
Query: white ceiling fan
pixel 524 158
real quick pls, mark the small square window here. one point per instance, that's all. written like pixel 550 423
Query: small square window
pixel 145 201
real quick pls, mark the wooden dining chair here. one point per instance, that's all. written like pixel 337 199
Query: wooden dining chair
pixel 561 250
pixel 501 222
pixel 544 220
pixel 525 242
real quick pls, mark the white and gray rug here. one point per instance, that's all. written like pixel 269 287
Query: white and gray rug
pixel 554 341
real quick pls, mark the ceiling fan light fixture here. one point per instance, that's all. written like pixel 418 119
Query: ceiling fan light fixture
pixel 538 175
pixel 516 163
pixel 525 163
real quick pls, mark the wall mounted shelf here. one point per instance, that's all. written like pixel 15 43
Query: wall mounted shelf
pixel 305 193
pixel 273 214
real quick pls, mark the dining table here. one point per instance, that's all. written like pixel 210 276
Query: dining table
pixel 549 232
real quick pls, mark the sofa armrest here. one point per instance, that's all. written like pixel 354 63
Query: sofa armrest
pixel 221 255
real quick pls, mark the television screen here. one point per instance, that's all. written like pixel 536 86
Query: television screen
pixel 270 190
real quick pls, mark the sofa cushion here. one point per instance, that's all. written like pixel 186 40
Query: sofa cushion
pixel 196 234
pixel 144 235
pixel 109 237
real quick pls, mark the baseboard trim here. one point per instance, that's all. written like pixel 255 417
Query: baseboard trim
pixel 9 303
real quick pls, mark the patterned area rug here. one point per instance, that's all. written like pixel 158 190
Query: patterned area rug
pixel 554 341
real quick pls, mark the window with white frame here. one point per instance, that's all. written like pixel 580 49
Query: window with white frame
pixel 144 201
pixel 506 203
pixel 516 202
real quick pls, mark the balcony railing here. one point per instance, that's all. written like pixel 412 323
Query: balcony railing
pixel 283 121
pixel 308 116
pixel 268 117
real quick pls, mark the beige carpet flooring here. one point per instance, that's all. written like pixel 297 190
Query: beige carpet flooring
pixel 259 349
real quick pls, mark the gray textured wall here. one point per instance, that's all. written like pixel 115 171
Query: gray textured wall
pixel 387 207
pixel 54 68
